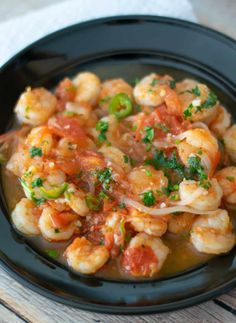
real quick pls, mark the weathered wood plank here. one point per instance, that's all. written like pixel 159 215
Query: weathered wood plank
pixel 36 308
pixel 7 316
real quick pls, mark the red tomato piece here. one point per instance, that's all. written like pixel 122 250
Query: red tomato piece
pixel 139 261
pixel 64 126
pixel 63 219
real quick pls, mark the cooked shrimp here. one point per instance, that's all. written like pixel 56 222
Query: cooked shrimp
pixel 144 178
pixel 82 109
pixel 35 106
pixel 111 88
pixel 153 91
pixel 76 200
pixel 142 222
pixel 199 142
pixel 200 198
pixel 230 142
pixel 88 88
pixel 55 225
pixel 195 99
pixel 41 137
pixel 25 217
pixel 221 122
pixel 180 223
pixel 227 180
pixel 114 233
pixel 116 156
pixel 213 234
pixel 144 256
pixel 18 162
pixel 84 257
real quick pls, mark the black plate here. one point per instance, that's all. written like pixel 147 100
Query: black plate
pixel 128 47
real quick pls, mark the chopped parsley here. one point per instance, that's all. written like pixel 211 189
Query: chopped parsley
pixel 126 159
pixel 102 195
pixel 122 205
pixel 188 111
pixel 102 127
pixel 196 168
pixel 52 253
pixel 196 91
pixel 149 135
pixel 148 198
pixel 35 151
pixel 174 197
pixel 37 182
pixel 154 82
pixel 161 161
pixel 105 177
pixel 148 172
pixel 211 100
pixel 230 178
pixel 172 84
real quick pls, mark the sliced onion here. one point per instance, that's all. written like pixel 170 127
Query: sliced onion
pixel 162 212
pixel 163 144
pixel 198 192
pixel 200 125
pixel 206 162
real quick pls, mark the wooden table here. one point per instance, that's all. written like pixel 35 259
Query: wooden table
pixel 19 304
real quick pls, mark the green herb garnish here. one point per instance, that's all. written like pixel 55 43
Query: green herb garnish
pixel 188 111
pixel 196 91
pixel 148 198
pixel 104 177
pixel 172 84
pixel 148 172
pixel 102 126
pixel 154 82
pixel 52 253
pixel 35 151
pixel 37 182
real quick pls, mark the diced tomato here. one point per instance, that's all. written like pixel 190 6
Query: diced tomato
pixel 172 102
pixel 139 261
pixel 175 124
pixel 63 219
pixel 85 161
pixel 64 126
pixel 65 92
pixel 69 166
pixel 108 204
pixel 109 240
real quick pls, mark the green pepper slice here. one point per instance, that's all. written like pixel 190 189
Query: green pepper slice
pixel 93 202
pixel 55 192
pixel 120 106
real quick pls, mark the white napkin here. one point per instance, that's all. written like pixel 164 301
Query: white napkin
pixel 17 33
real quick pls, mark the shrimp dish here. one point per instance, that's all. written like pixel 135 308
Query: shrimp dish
pixel 122 180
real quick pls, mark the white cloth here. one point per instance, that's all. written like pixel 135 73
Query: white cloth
pixel 17 33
